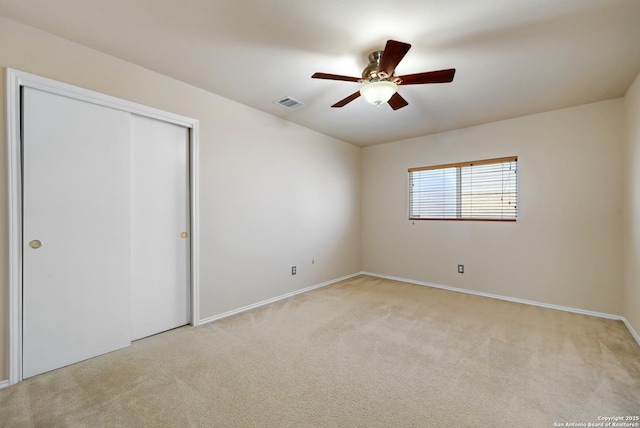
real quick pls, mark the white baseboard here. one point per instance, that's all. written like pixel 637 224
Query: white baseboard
pixel 426 284
pixel 513 299
pixel 631 330
pixel 4 384
pixel 499 297
pixel 275 299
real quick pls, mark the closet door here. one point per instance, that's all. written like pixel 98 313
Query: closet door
pixel 76 230
pixel 160 233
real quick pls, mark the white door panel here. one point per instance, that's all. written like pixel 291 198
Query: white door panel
pixel 160 292
pixel 76 195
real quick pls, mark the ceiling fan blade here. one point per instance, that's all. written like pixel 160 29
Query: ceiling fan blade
pixel 393 53
pixel 397 101
pixel 347 100
pixel 440 76
pixel 334 77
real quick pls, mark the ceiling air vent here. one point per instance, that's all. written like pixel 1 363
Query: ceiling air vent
pixel 289 103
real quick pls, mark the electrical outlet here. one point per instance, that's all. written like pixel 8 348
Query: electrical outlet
pixel 460 268
pixel 293 270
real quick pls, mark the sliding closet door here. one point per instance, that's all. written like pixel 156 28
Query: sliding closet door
pixel 76 230
pixel 160 232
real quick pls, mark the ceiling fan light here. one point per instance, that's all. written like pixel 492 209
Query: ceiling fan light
pixel 378 92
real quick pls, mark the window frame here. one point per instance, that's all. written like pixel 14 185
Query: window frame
pixel 458 206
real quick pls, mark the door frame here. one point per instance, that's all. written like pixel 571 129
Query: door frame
pixel 15 81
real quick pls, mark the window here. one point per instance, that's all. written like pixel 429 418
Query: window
pixel 478 190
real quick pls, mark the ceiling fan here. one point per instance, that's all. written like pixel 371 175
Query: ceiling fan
pixel 381 85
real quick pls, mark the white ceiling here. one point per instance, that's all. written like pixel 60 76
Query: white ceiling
pixel 513 57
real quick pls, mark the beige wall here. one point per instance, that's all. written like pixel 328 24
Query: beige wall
pixel 565 249
pixel 272 194
pixel 631 271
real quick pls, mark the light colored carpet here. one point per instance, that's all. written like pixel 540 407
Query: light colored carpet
pixel 366 352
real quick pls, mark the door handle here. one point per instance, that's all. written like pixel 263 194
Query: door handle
pixel 35 244
pixel 184 235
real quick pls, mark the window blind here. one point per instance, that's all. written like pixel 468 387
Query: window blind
pixel 477 190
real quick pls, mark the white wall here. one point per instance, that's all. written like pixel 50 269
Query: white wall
pixel 272 194
pixel 631 271
pixel 565 249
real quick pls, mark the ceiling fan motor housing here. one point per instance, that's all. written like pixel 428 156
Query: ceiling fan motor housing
pixel 371 73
